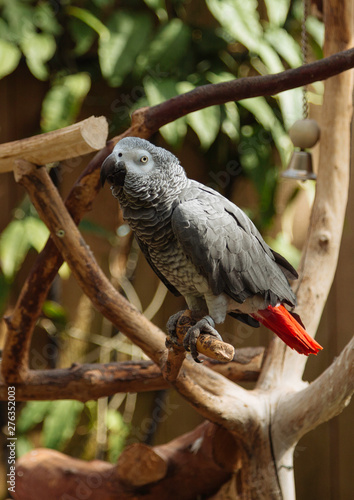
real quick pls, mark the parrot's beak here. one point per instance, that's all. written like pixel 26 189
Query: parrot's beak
pixel 113 171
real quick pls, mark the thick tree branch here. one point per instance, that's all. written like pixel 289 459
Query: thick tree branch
pixel 322 400
pixel 93 381
pixel 321 250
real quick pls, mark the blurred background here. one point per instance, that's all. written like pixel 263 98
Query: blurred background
pixel 63 61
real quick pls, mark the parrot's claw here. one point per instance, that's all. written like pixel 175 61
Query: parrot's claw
pixel 205 325
pixel 171 329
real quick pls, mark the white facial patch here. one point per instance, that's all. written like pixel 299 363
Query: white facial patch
pixel 137 161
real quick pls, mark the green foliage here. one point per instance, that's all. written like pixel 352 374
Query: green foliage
pixel 282 244
pixel 117 51
pixel 15 241
pixel 9 57
pixel 59 419
pixel 63 101
pixel 118 431
pixel 60 422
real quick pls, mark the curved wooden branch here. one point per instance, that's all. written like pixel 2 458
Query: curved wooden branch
pixel 322 246
pixel 208 95
pixel 93 381
pixel 322 400
pixel 22 321
pixel 215 397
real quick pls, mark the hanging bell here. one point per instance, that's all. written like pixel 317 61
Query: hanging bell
pixel 304 134
pixel 300 167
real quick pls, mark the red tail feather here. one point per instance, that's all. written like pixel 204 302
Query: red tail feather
pixel 281 322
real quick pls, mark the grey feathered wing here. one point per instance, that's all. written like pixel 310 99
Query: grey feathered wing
pixel 227 249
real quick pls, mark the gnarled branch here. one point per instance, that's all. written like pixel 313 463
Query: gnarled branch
pixel 93 381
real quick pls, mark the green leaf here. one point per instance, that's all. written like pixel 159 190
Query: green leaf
pixel 37 232
pixel 39 48
pixel 90 20
pixel 64 271
pixel 10 56
pixel 231 121
pixel 63 101
pixel 316 28
pixel 166 50
pixel 159 6
pixel 17 238
pixel 264 114
pixel 285 44
pixel 128 36
pixel 54 311
pixel 118 432
pixel 60 423
pixel 14 246
pixel 282 245
pixel 241 20
pixel 157 92
pixel 206 122
pixel 277 11
pixel 45 18
pixel 82 35
pixel 32 414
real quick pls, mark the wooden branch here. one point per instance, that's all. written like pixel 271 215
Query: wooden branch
pixel 215 397
pixel 322 400
pixel 93 381
pixel 145 121
pixel 322 246
pixel 76 140
pixel 209 95
pixel 78 256
pixel 206 344
pixel 283 368
pixel 35 289
pixel 194 464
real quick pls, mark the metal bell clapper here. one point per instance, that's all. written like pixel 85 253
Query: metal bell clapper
pixel 304 134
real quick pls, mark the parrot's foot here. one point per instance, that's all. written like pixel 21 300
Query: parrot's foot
pixel 205 325
pixel 171 329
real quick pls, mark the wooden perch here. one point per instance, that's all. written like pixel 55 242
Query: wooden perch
pixel 206 344
pixel 93 381
pixel 76 140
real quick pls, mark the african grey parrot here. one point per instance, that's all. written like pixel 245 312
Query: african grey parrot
pixel 202 246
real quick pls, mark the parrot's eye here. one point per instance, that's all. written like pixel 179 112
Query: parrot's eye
pixel 144 159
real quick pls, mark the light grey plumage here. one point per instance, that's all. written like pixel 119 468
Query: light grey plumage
pixel 200 244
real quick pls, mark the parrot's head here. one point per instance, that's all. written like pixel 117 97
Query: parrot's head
pixel 137 168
